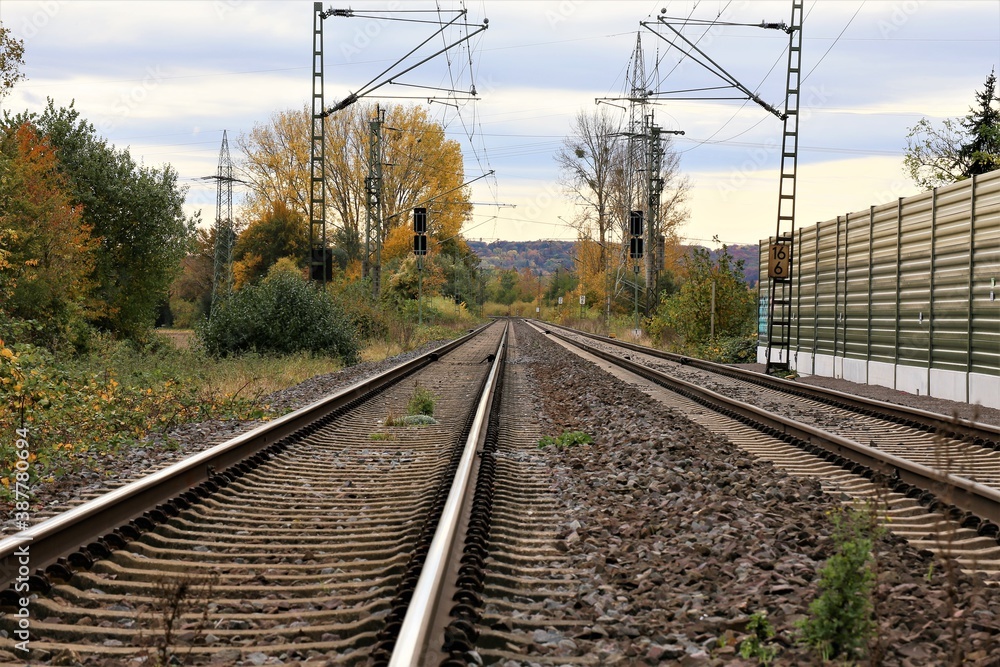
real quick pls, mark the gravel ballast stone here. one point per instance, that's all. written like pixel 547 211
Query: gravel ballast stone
pixel 679 536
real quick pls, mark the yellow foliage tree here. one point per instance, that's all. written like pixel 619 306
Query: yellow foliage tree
pixel 421 167
pixel 591 270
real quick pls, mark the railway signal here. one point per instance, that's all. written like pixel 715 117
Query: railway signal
pixel 420 249
pixel 635 251
pixel 420 220
pixel 635 223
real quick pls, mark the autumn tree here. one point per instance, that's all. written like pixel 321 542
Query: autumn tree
pixel 593 273
pixel 280 232
pixel 459 271
pixel 50 254
pixel 587 162
pixel 420 165
pixel 960 147
pixel 688 312
pixel 276 164
pixel 11 60
pixel 599 172
pixel 134 211
pixel 191 291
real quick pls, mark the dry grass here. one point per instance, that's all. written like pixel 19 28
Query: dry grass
pixel 379 350
pixel 179 338
pixel 251 376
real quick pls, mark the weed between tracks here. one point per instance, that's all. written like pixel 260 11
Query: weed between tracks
pixel 841 620
pixel 419 412
pixel 565 439
pixel 174 598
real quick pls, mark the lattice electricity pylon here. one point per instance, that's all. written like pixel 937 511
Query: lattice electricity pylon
pixel 225 232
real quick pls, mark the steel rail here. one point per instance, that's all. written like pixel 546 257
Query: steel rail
pixel 63 534
pixel 417 630
pixel 910 416
pixel 962 492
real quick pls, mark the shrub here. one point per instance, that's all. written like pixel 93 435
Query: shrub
pixel 355 300
pixel 282 315
pixel 840 622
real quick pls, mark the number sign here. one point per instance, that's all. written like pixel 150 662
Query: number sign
pixel 778 261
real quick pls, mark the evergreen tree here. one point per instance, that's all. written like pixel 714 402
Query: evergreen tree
pixel 960 148
pixel 982 151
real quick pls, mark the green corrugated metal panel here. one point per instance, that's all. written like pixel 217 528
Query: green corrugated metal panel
pixel 806 289
pixel 854 323
pixel 826 287
pixel 898 283
pixel 949 281
pixel 985 338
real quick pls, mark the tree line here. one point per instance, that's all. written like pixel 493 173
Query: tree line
pixel 89 238
pixel 420 167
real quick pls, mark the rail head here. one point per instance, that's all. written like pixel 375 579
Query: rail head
pixel 418 630
pixel 65 533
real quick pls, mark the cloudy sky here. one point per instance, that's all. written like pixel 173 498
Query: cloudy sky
pixel 166 78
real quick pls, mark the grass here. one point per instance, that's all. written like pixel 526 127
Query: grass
pixel 565 440
pixel 421 402
pixel 80 411
pixel 379 350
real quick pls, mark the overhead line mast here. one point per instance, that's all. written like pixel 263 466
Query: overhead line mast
pixel 780 267
pixel 780 251
pixel 320 255
pixel 317 157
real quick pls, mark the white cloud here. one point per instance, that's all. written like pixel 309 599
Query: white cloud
pixel 166 77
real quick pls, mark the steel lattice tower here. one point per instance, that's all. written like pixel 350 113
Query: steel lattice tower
pixel 225 235
pixel 317 157
pixel 374 233
pixel 779 314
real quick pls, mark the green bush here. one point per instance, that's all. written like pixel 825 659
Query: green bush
pixel 728 350
pixel 364 313
pixel 840 622
pixel 282 315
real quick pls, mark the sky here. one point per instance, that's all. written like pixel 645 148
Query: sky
pixel 166 78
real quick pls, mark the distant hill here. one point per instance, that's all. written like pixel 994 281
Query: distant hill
pixel 546 256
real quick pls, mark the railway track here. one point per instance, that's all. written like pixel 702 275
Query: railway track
pixel 308 537
pixel 935 479
pixel 307 555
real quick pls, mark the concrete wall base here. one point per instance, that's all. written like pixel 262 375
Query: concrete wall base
pixel 974 388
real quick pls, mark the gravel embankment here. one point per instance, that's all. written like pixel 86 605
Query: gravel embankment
pixel 679 536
